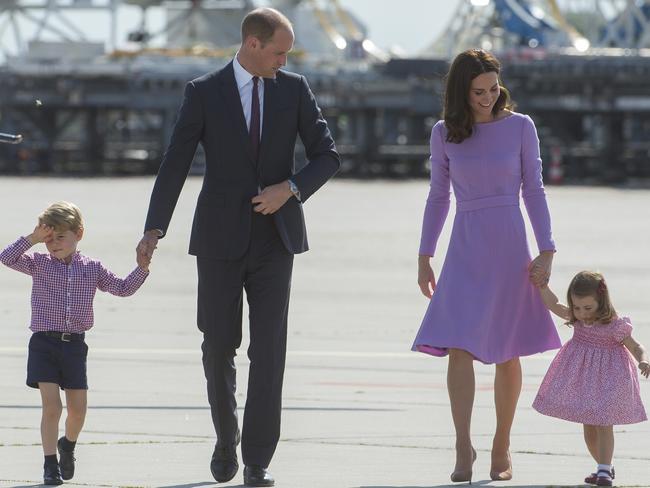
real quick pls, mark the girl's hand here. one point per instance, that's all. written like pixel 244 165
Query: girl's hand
pixel 42 233
pixel 539 269
pixel 426 277
pixel 644 366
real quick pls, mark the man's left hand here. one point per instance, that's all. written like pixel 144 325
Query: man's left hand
pixel 272 198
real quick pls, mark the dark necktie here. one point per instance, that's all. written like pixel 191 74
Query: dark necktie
pixel 254 130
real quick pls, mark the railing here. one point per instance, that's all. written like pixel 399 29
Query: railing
pixel 10 138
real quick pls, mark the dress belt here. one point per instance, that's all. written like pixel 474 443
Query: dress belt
pixel 488 202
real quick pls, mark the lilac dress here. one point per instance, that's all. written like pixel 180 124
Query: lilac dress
pixel 593 379
pixel 484 302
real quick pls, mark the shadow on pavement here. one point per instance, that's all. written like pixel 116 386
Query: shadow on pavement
pixel 478 482
pixel 202 483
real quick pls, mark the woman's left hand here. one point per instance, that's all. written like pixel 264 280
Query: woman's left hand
pixel 539 270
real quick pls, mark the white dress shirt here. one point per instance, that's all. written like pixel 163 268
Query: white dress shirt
pixel 244 82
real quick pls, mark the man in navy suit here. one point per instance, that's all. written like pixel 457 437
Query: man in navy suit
pixel 247 226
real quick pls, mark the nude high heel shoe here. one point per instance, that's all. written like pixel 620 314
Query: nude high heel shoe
pixel 465 475
pixel 497 475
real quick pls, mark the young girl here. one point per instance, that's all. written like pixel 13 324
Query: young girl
pixel 593 380
pixel 64 285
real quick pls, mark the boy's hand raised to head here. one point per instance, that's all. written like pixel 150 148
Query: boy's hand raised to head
pixel 42 233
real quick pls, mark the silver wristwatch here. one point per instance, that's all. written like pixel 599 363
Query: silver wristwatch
pixel 294 189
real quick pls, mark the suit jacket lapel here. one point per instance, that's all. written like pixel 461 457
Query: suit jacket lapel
pixel 230 94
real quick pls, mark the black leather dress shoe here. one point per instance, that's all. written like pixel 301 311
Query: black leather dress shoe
pixel 66 461
pixel 224 463
pixel 51 475
pixel 257 476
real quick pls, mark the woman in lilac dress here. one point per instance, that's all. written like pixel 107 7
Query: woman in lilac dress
pixel 485 306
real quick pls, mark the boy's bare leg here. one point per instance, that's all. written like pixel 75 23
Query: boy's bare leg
pixel 591 439
pixel 76 401
pixel 50 417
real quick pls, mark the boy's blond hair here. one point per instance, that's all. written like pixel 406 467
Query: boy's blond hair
pixel 62 216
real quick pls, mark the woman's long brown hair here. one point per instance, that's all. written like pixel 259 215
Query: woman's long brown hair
pixel 458 116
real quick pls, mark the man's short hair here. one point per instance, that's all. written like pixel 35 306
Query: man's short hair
pixel 262 23
pixel 62 216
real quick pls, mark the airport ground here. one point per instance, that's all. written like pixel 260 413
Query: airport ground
pixel 360 409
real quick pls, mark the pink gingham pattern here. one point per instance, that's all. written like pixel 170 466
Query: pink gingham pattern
pixel 62 294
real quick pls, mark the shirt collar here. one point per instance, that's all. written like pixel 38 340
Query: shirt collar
pixel 76 256
pixel 242 77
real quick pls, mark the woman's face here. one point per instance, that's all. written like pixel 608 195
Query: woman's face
pixel 483 94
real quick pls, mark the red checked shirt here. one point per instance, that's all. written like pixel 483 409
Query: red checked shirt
pixel 62 294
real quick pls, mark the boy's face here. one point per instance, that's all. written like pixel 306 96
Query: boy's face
pixel 63 244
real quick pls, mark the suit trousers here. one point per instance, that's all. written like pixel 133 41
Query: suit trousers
pixel 264 272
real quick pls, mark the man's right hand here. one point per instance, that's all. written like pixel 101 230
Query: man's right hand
pixel 148 243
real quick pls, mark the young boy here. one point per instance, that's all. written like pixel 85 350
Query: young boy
pixel 64 285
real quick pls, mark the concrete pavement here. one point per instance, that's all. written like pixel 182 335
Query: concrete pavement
pixel 360 410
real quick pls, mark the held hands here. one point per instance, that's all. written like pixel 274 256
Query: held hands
pixel 143 261
pixel 146 247
pixel 42 233
pixel 539 270
pixel 644 366
pixel 426 276
pixel 272 198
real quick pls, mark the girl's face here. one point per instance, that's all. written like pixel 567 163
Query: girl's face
pixel 585 308
pixel 483 94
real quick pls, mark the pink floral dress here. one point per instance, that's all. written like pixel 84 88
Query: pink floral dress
pixel 593 379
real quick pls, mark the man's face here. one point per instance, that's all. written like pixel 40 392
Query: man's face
pixel 268 58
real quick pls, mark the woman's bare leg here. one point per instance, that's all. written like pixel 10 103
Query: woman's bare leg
pixel 460 385
pixel 507 387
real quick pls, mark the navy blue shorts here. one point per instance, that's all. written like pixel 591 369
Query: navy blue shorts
pixel 52 360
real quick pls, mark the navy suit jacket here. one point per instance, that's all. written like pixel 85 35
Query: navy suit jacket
pixel 211 113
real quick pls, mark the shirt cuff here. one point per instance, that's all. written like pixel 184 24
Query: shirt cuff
pixel 24 242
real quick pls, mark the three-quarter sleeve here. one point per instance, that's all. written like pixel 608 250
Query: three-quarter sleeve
pixel 532 188
pixel 437 206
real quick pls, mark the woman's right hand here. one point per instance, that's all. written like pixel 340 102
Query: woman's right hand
pixel 426 277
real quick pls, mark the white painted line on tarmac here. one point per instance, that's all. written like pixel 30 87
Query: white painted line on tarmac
pixel 336 354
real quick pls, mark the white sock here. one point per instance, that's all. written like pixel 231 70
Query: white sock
pixel 604 470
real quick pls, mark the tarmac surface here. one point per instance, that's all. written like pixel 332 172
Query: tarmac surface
pixel 360 409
